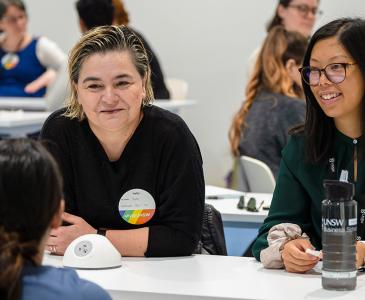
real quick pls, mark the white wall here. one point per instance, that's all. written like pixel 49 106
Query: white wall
pixel 206 42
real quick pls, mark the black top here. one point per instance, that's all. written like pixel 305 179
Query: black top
pixel 268 121
pixel 160 90
pixel 162 157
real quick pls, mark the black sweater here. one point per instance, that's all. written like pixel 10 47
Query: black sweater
pixel 162 157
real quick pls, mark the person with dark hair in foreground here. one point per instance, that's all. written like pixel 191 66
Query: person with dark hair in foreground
pixel 330 141
pixel 30 206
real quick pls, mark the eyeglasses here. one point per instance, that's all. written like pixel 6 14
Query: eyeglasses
pixel 251 204
pixel 13 20
pixel 336 73
pixel 305 9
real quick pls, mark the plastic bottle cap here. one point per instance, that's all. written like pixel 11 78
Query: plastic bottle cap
pixel 338 190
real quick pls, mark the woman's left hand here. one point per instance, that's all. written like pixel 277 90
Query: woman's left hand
pixel 61 237
pixel 360 254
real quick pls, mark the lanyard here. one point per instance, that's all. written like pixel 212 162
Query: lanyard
pixel 360 204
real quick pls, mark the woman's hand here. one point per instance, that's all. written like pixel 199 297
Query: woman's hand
pixel 360 254
pixel 294 257
pixel 61 237
pixel 42 81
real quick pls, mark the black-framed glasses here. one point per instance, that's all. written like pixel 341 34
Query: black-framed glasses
pixel 304 9
pixel 14 19
pixel 335 72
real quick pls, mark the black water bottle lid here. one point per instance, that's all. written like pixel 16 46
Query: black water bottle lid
pixel 338 190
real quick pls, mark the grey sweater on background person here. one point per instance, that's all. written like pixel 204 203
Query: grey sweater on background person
pixel 268 122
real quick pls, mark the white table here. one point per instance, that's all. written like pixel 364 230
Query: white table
pixel 19 124
pixel 208 277
pixel 174 105
pixel 240 225
pixel 24 103
pixel 227 201
pixel 39 104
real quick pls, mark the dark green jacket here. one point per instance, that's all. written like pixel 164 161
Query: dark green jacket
pixel 299 189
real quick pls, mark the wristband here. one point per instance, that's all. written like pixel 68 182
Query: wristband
pixel 101 231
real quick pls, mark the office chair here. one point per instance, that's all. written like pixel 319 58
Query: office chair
pixel 257 175
pixel 212 239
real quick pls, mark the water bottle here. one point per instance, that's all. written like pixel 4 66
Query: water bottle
pixel 339 226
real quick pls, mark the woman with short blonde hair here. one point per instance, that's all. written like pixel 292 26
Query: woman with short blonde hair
pixel 133 171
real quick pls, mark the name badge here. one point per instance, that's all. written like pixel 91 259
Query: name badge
pixel 137 206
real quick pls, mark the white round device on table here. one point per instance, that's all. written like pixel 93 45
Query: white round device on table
pixel 92 251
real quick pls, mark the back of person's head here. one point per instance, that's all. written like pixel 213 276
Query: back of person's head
pixel 30 196
pixel 4 4
pixel 270 71
pixel 102 40
pixel 271 74
pixel 95 13
pixel 319 128
pixel 121 16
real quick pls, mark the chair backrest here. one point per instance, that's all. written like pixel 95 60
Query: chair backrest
pixel 257 174
pixel 178 88
pixel 212 239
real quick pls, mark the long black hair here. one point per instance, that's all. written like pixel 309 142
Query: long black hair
pixel 30 195
pixel 319 129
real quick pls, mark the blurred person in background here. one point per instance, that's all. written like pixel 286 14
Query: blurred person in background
pixel 293 15
pixel 28 64
pixel 296 15
pixel 274 100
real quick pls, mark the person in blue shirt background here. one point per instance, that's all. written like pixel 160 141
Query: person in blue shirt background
pixel 28 65
pixel 30 206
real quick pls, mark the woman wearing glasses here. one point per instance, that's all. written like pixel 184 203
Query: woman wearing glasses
pixel 28 64
pixel 293 15
pixel 333 80
pixel 296 15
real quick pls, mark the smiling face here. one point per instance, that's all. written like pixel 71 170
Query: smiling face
pixel 110 91
pixel 340 101
pixel 293 19
pixel 14 21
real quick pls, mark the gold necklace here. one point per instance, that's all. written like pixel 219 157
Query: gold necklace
pixel 11 59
